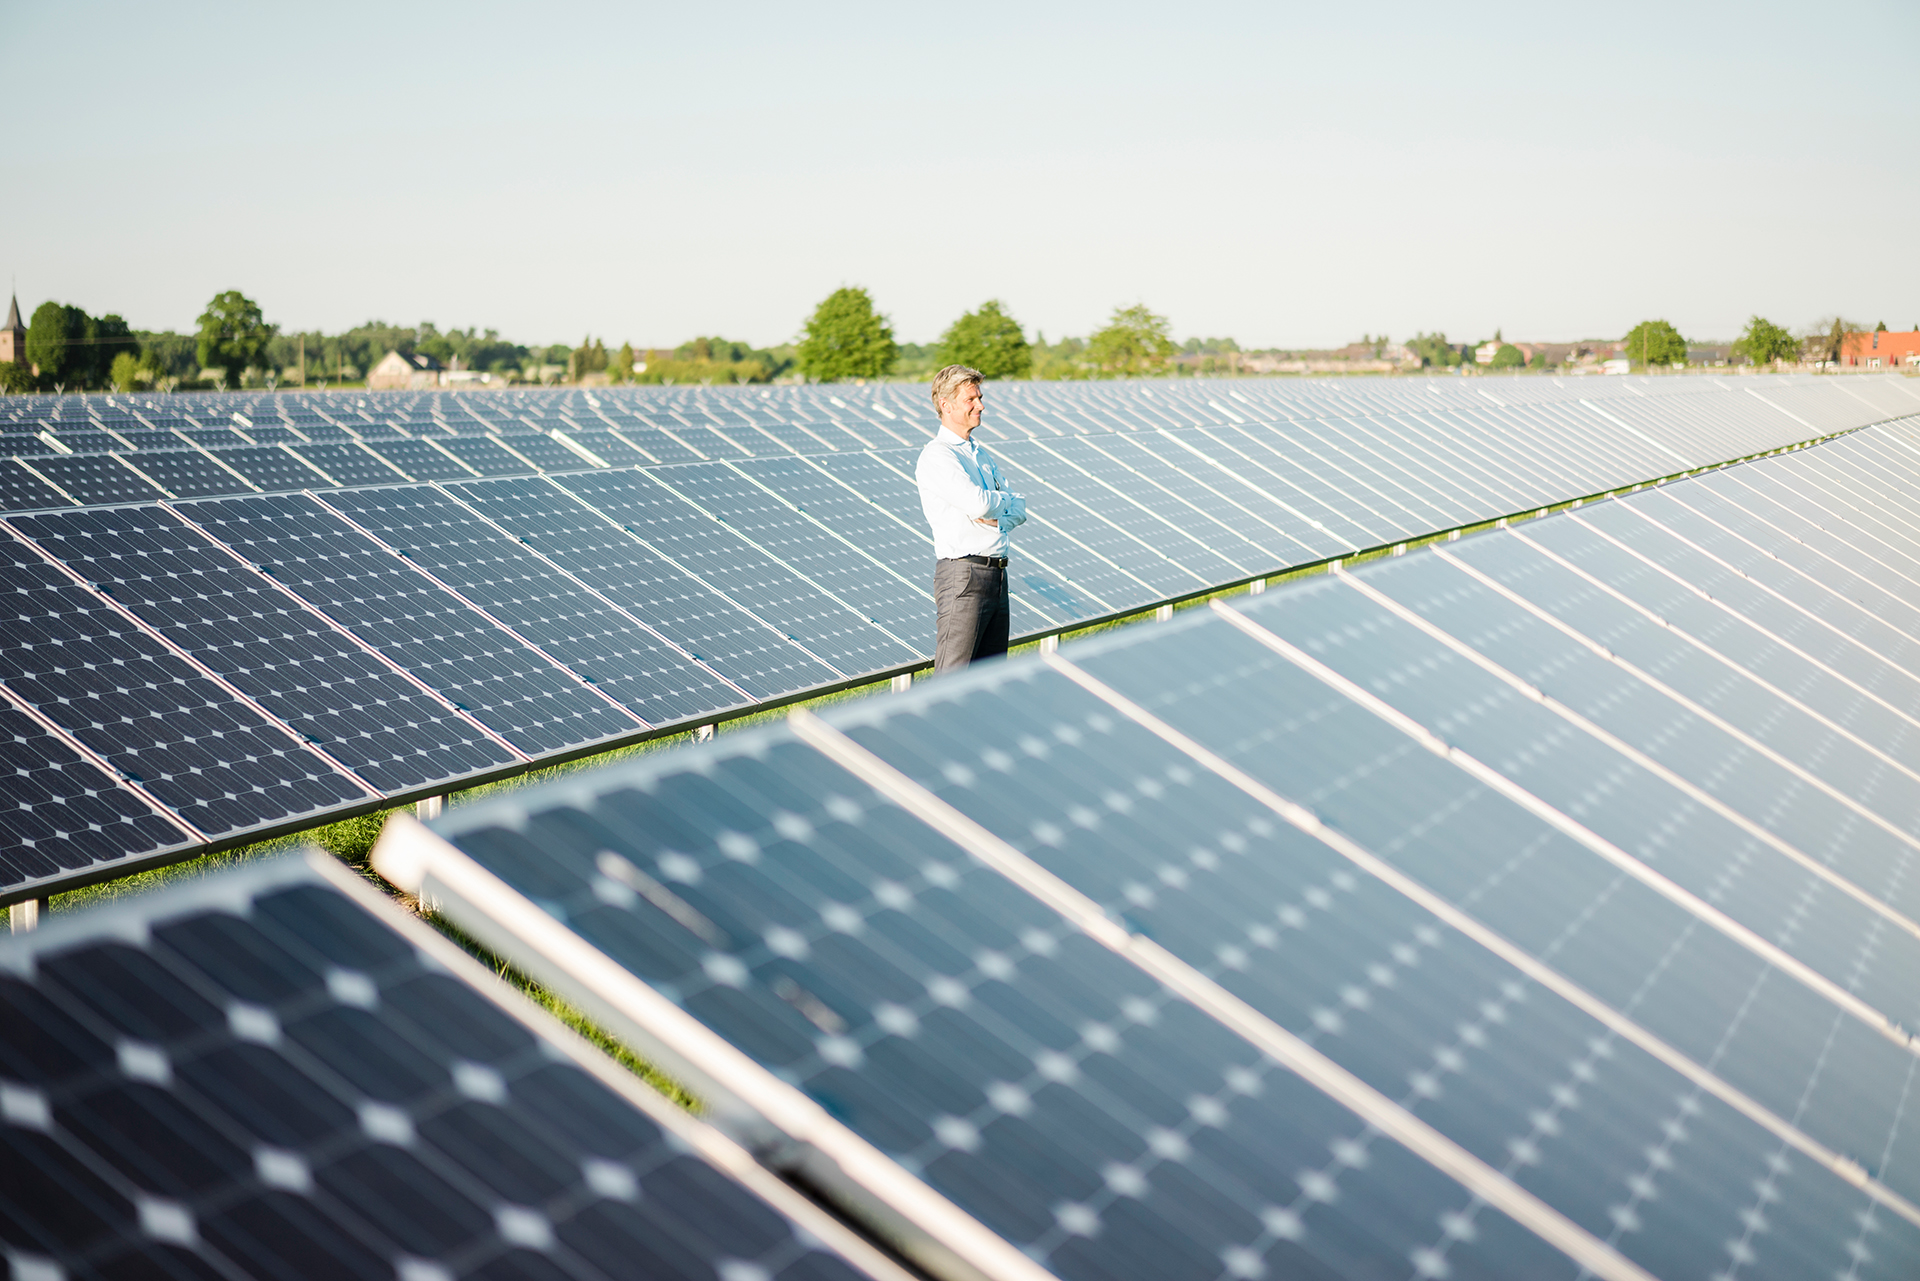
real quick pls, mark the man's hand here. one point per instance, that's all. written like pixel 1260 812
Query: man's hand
pixel 990 524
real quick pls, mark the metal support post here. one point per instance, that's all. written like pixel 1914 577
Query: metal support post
pixel 903 683
pixel 1164 614
pixel 703 734
pixel 429 808
pixel 1257 587
pixel 1049 644
pixel 25 915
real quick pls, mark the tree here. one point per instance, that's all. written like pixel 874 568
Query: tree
pixel 622 367
pixel 846 338
pixel 1434 349
pixel 988 340
pixel 233 335
pixel 1655 342
pixel 1509 356
pixel 56 338
pixel 125 372
pixel 1135 341
pixel 1765 342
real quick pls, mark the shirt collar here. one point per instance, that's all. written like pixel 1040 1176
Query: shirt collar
pixel 952 439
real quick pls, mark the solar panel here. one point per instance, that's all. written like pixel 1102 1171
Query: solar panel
pixel 181 738
pixel 65 813
pixel 22 489
pixel 186 473
pixel 548 454
pixel 609 448
pixel 425 631
pixel 272 469
pixel 486 456
pixel 1100 1119
pixel 746 576
pixel 95 478
pixel 541 605
pixel 595 550
pixel 420 460
pixel 843 569
pixel 350 464
pixel 338 695
pixel 273 1073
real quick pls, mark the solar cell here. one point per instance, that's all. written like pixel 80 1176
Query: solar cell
pixel 748 577
pixel 658 444
pixel 186 741
pixel 420 628
pixel 421 460
pixel 95 478
pixel 544 607
pixel 332 690
pixel 272 1073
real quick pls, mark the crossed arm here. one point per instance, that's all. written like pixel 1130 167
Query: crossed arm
pixel 995 508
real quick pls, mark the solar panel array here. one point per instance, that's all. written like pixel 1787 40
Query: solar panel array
pixel 236 616
pixel 274 1073
pixel 1536 904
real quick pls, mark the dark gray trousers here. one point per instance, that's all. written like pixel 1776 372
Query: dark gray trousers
pixel 971 601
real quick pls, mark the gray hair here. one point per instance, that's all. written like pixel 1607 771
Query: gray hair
pixel 952 379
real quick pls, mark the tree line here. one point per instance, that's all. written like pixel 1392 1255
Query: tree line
pixel 845 339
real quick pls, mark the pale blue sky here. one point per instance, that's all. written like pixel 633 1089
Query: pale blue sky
pixel 1284 174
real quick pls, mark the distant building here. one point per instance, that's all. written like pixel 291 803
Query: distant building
pixel 1881 349
pixel 404 373
pixel 13 339
pixel 1711 354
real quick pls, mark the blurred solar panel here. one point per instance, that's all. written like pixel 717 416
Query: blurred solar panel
pixel 21 489
pixel 95 478
pixel 186 473
pixel 273 1073
pixel 487 457
pixel 420 460
pixel 273 469
pixel 350 464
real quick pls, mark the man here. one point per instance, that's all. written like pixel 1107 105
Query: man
pixel 971 510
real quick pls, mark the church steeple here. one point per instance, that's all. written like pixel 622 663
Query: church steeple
pixel 13 335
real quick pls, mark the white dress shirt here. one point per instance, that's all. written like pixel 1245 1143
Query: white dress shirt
pixel 969 505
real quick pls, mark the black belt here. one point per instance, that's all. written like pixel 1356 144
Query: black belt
pixel 991 562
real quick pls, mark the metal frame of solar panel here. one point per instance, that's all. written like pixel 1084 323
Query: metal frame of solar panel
pixel 275 1072
pixel 1541 891
pixel 760 581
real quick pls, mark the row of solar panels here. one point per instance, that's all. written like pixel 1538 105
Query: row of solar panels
pixel 807 419
pixel 1538 904
pixel 189 675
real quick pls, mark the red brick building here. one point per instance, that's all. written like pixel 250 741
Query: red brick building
pixel 1882 349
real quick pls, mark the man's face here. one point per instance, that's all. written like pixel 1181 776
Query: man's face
pixel 962 409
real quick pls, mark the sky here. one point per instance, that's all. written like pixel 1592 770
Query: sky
pixel 1286 175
